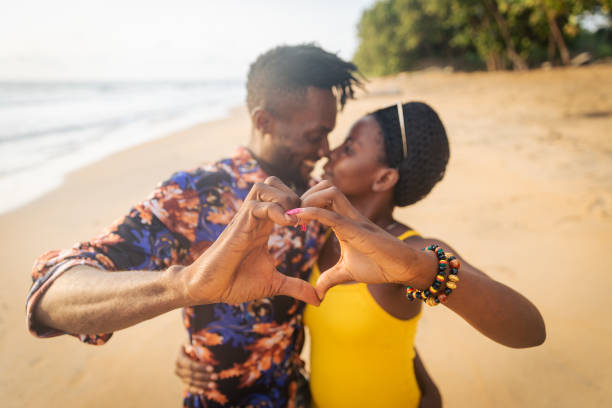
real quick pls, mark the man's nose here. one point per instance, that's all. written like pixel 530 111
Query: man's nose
pixel 332 155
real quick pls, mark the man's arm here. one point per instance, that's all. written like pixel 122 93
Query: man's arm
pixel 236 268
pixel 149 238
pixel 85 299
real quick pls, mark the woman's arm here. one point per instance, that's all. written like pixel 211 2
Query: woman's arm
pixel 370 254
pixel 496 310
pixel 237 267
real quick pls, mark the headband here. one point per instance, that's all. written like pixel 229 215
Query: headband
pixel 400 115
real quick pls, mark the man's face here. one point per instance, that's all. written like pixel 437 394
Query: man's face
pixel 299 136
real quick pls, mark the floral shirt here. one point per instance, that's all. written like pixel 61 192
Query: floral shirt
pixel 254 346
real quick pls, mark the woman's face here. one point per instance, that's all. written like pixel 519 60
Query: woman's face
pixel 353 165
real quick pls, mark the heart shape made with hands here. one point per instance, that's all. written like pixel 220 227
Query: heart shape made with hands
pixel 238 266
pixel 368 253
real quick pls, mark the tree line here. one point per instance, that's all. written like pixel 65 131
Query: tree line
pixel 400 35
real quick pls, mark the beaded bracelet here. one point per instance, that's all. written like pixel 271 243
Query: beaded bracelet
pixel 425 295
pixel 431 296
pixel 451 283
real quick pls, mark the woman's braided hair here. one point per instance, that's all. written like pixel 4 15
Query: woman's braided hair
pixel 427 149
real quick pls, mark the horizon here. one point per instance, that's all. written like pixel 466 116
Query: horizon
pixel 68 41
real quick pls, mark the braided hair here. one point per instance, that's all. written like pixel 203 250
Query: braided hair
pixel 288 70
pixel 427 149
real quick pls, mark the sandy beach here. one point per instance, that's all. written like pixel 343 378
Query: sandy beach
pixel 527 197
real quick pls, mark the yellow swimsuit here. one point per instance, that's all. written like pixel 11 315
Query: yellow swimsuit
pixel 360 355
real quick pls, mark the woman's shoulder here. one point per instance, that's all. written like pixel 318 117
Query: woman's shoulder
pixel 413 237
pixel 403 231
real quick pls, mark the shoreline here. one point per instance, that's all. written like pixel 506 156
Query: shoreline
pixel 49 129
pixel 51 176
pixel 90 199
pixel 527 197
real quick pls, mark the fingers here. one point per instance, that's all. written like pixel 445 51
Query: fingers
pixel 197 382
pixel 360 232
pixel 194 390
pixel 188 374
pixel 273 190
pixel 299 289
pixel 321 185
pixel 273 212
pixel 200 388
pixel 325 217
pixel 333 276
pixel 185 367
pixel 197 376
pixel 326 195
pixel 277 183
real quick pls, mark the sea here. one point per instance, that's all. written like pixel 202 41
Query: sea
pixel 48 129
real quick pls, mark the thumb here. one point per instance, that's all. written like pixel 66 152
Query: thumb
pixel 299 289
pixel 332 277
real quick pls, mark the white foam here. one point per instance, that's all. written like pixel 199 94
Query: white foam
pixel 37 161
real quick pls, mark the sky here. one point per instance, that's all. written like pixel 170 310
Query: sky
pixel 148 40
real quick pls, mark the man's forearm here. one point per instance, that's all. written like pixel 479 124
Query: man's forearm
pixel 86 300
pixel 236 268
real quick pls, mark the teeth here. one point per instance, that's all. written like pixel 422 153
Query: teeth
pixel 309 163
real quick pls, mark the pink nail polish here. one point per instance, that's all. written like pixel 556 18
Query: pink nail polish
pixel 294 211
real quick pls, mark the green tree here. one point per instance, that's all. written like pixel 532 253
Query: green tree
pixel 398 35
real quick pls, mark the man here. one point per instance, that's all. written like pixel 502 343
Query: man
pixel 210 248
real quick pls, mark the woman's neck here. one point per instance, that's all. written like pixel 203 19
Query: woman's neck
pixel 378 208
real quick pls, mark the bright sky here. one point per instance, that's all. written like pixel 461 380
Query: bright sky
pixel 155 39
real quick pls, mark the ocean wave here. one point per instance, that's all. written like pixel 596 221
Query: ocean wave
pixel 50 129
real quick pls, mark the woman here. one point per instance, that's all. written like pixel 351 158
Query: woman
pixel 362 334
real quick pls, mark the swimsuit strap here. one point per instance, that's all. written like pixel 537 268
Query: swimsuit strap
pixel 407 234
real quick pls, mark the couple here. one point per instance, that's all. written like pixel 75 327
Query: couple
pixel 226 251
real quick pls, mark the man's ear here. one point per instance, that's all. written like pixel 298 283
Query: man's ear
pixel 385 179
pixel 262 120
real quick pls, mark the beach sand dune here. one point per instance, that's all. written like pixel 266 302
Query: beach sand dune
pixel 527 198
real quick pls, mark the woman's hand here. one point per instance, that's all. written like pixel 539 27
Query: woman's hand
pixel 238 266
pixel 369 254
pixel 198 377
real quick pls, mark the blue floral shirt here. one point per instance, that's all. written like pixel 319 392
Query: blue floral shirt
pixel 254 346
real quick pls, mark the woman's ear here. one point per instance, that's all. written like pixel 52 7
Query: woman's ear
pixel 385 179
pixel 262 120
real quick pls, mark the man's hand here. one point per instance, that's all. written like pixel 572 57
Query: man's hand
pixel 238 267
pixel 369 254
